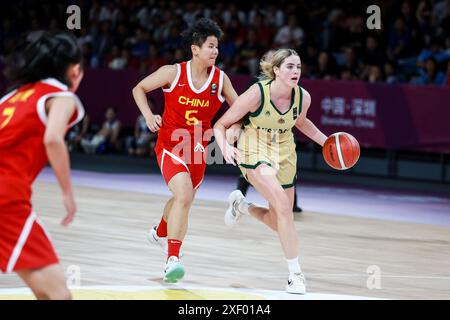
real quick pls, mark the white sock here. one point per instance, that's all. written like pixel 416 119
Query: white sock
pixel 293 265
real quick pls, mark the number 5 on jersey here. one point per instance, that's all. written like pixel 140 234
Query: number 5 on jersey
pixel 190 120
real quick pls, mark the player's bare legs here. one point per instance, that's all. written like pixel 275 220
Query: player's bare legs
pixel 177 209
pixel 268 215
pixel 281 217
pixel 46 283
pixel 183 196
pixel 167 209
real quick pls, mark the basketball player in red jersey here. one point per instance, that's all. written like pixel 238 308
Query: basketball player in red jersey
pixel 193 92
pixel 34 118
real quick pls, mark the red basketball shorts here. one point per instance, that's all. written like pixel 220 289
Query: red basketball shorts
pixel 170 165
pixel 24 243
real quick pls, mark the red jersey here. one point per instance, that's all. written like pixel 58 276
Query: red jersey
pixel 22 152
pixel 188 111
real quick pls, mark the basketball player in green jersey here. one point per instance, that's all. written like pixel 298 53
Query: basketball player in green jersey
pixel 266 150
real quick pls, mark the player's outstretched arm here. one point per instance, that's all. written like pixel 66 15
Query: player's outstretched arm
pixel 60 110
pixel 247 102
pixel 305 125
pixel 160 78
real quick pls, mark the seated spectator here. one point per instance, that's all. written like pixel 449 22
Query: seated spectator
pixel 309 61
pixel 264 32
pixel 250 51
pixel 373 53
pixel 346 74
pixel 119 59
pixel 435 50
pixel 348 60
pixel 400 40
pixel 291 34
pixel 113 54
pixel 155 59
pixel 431 74
pixel 87 57
pixel 326 66
pixel 77 133
pixel 390 74
pixel 143 140
pixel 140 45
pixel 375 74
pixel 107 137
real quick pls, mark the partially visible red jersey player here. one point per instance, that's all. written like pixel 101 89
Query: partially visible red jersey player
pixel 34 117
pixel 193 92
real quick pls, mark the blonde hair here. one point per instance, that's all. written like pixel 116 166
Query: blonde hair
pixel 273 58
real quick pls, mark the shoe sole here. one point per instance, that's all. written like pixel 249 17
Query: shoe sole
pixel 229 222
pixel 177 273
pixel 296 292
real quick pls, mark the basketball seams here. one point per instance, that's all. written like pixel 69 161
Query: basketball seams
pixel 330 154
pixel 339 151
pixel 334 154
pixel 346 140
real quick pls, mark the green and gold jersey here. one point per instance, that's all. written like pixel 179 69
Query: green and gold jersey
pixel 267 134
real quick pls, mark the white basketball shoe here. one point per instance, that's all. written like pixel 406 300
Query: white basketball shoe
pixel 153 238
pixel 296 283
pixel 161 242
pixel 233 214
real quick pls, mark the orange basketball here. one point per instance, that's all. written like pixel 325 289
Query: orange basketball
pixel 341 151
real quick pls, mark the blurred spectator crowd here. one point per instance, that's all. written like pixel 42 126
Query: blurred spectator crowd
pixel 413 45
pixel 111 136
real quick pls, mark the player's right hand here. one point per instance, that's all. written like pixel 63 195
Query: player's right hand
pixel 231 155
pixel 154 122
pixel 71 208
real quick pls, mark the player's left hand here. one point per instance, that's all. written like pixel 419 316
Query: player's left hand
pixel 231 155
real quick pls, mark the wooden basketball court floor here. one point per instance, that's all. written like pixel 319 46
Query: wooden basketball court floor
pixel 346 234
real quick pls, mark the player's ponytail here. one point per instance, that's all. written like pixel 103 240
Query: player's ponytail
pixel 273 58
pixel 47 56
pixel 266 66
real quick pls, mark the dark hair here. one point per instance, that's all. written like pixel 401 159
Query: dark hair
pixel 112 107
pixel 49 55
pixel 200 31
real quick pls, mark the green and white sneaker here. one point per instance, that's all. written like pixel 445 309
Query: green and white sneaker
pixel 174 270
